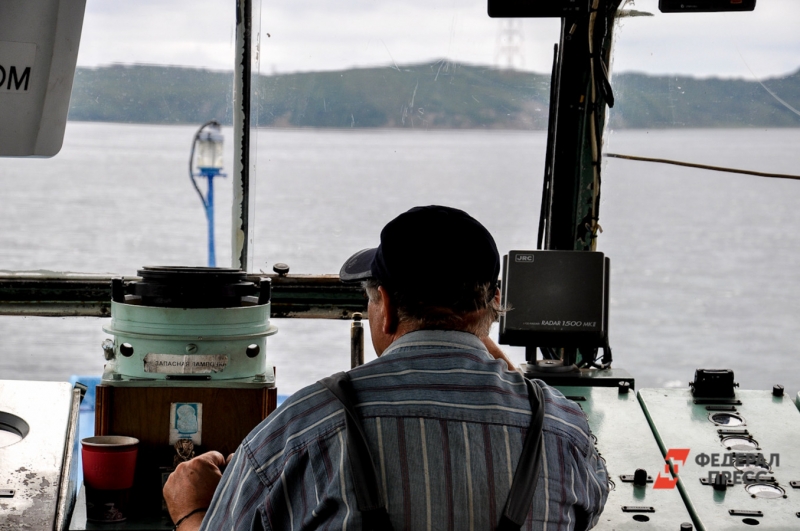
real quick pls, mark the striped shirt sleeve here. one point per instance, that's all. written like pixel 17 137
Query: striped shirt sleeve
pixel 237 497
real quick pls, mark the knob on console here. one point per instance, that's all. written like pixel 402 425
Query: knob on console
pixel 640 477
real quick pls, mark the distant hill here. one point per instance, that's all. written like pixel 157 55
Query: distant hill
pixel 150 94
pixel 680 101
pixel 440 95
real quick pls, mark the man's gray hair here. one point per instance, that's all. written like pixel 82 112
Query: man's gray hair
pixel 473 311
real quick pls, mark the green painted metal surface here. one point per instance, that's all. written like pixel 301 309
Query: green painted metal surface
pixel 164 338
pixel 773 422
pixel 591 377
pixel 625 441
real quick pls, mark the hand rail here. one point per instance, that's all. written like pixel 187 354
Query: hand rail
pixel 52 294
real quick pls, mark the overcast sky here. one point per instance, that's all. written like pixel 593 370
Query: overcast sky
pixel 305 35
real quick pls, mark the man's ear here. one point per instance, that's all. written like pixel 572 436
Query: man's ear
pixel 388 313
pixel 497 297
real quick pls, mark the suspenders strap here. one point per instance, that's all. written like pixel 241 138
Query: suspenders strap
pixel 362 467
pixel 365 476
pixel 523 486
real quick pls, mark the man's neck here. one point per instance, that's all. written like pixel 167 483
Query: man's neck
pixel 404 329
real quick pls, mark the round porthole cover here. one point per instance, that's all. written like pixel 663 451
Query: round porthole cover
pixel 726 419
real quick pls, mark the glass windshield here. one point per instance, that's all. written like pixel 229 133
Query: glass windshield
pixel 702 261
pixel 372 109
pixel 367 109
pixel 118 195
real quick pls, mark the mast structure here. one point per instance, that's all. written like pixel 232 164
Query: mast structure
pixel 580 92
pixel 509 48
pixel 245 122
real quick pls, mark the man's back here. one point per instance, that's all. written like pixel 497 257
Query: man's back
pixel 445 423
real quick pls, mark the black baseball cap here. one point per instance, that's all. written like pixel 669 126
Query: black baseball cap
pixel 433 248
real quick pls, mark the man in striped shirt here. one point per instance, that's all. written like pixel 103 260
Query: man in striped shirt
pixel 444 413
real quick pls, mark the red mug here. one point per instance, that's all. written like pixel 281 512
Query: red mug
pixel 109 463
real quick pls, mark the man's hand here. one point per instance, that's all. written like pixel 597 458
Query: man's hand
pixel 192 486
pixel 496 353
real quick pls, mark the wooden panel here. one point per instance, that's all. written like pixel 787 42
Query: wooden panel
pixel 102 410
pixel 143 412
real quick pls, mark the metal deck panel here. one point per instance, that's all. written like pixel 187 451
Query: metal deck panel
pixel 774 422
pixel 625 441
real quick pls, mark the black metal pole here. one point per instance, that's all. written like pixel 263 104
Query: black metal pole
pixel 241 226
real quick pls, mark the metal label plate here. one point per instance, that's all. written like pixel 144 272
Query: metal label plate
pixel 185 364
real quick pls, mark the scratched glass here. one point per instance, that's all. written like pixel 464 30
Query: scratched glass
pixel 701 259
pixel 703 264
pixel 372 108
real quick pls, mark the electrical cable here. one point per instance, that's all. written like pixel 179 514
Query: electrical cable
pixel 602 68
pixel 191 160
pixel 705 166
pixel 593 130
pixel 599 82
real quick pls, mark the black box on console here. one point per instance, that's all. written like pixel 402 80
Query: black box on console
pixel 556 299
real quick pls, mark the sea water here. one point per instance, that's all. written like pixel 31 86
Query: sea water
pixel 705 265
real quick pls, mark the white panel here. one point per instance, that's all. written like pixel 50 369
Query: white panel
pixel 38 52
